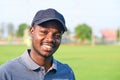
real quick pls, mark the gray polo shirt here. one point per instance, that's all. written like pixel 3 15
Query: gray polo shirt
pixel 24 68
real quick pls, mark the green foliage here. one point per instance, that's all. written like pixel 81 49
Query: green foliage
pixel 22 27
pixel 1 30
pixel 118 34
pixel 83 32
pixel 10 28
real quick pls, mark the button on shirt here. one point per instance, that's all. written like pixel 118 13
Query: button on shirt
pixel 24 68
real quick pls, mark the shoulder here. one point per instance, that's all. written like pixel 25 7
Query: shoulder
pixel 65 69
pixel 5 70
pixel 63 66
pixel 9 66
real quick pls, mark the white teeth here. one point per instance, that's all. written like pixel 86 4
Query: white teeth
pixel 47 46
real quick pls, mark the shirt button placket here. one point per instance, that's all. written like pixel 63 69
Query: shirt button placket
pixel 42 71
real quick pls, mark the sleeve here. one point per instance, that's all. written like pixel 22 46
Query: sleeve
pixel 73 78
pixel 4 75
pixel 72 75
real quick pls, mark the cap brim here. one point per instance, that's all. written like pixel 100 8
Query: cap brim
pixel 48 19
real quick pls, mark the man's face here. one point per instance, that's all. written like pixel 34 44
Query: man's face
pixel 46 38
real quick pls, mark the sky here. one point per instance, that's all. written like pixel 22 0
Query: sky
pixel 98 14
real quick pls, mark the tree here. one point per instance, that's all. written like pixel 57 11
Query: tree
pixel 10 29
pixel 22 27
pixel 83 32
pixel 2 30
pixel 118 34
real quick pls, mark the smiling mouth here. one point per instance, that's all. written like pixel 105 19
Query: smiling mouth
pixel 47 46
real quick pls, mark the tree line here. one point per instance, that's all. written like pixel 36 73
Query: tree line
pixel 83 32
pixel 9 29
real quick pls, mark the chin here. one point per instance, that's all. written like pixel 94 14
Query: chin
pixel 45 54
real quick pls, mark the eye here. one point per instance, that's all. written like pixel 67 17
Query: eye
pixel 43 32
pixel 58 36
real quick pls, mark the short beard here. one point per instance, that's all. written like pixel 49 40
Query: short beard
pixel 38 52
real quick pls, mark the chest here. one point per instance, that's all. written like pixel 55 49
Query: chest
pixel 34 75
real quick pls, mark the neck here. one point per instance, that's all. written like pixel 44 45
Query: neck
pixel 41 61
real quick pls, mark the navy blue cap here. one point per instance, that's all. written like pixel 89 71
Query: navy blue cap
pixel 47 15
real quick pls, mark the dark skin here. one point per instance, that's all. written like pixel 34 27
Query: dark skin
pixel 46 39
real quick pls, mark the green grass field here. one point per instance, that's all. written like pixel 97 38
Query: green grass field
pixel 88 62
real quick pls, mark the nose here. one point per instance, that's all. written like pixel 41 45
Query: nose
pixel 49 37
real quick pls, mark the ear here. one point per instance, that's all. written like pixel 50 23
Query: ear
pixel 31 31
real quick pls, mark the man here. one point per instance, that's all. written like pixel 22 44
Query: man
pixel 38 63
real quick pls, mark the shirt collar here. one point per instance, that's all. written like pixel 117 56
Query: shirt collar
pixel 30 64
